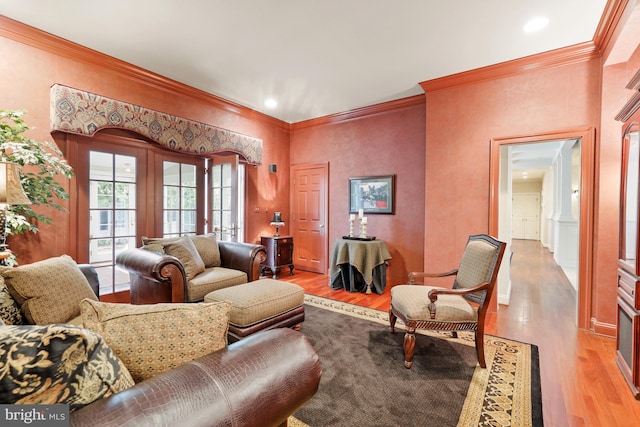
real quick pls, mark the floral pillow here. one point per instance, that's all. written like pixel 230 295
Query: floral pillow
pixel 58 364
pixel 10 313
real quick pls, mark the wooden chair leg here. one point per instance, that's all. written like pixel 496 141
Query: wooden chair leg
pixel 409 346
pixel 480 348
pixel 392 321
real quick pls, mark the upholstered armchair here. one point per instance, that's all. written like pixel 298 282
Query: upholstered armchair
pixel 460 308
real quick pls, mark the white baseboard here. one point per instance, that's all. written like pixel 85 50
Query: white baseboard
pixel 504 299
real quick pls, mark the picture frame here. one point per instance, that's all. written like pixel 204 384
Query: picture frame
pixel 372 194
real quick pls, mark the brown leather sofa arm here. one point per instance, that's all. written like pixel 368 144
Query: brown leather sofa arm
pixel 245 257
pixel 258 381
pixel 154 277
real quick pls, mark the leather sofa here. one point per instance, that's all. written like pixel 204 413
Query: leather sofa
pixel 157 277
pixel 258 381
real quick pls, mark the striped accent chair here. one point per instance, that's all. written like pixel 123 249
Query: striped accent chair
pixel 460 308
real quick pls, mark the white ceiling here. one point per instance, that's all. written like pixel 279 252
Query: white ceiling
pixel 534 159
pixel 315 57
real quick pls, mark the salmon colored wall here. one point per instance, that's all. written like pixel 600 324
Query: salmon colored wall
pixel 533 102
pixel 29 72
pixel 387 143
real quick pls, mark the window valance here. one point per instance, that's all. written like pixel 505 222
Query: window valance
pixel 84 113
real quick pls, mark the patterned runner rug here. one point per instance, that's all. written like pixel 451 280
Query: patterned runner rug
pixel 365 383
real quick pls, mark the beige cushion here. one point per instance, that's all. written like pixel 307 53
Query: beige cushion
pixel 185 250
pixel 155 338
pixel 60 364
pixel 212 279
pixel 48 291
pixel 257 301
pixel 475 265
pixel 413 301
pixel 207 247
pixel 155 244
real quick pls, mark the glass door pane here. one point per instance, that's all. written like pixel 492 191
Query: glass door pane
pixel 179 199
pixel 112 215
pixel 227 198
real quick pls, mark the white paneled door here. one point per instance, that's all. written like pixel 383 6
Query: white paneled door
pixel 525 216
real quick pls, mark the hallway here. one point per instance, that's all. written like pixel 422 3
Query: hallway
pixel 581 383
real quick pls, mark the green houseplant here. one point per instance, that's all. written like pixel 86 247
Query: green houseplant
pixel 42 167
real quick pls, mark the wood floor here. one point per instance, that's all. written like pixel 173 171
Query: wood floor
pixel 581 383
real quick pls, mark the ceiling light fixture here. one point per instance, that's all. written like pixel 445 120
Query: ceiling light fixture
pixel 536 24
pixel 271 103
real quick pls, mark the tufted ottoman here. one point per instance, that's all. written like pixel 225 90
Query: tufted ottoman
pixel 260 305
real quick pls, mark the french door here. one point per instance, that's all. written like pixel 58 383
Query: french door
pixel 128 189
pixel 226 205
pixel 110 207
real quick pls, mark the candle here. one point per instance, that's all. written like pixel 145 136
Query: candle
pixel 352 217
pixel 360 213
pixel 364 220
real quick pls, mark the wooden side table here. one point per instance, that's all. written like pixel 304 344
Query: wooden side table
pixel 279 254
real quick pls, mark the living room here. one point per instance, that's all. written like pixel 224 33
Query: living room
pixel 437 145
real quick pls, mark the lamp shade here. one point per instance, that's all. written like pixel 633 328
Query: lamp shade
pixel 11 191
pixel 277 219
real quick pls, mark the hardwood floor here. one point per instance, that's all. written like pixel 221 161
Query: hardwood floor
pixel 581 383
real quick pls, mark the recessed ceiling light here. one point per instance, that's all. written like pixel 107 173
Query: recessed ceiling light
pixel 271 103
pixel 536 24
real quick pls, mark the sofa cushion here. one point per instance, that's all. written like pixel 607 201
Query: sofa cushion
pixel 212 279
pixel 155 244
pixel 185 250
pixel 58 364
pixel 10 313
pixel 48 291
pixel 207 246
pixel 155 338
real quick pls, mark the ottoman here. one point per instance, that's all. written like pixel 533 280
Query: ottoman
pixel 260 305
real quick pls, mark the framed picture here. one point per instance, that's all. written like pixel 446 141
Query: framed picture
pixel 372 194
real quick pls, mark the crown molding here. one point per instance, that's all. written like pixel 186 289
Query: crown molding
pixel 359 113
pixel 39 39
pixel 609 28
pixel 553 58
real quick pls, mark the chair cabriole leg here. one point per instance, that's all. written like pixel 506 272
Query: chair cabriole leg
pixel 409 347
pixel 392 321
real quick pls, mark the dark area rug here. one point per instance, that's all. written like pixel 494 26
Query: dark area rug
pixel 364 381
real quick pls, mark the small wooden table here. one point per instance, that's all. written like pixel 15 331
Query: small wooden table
pixel 279 254
pixel 359 265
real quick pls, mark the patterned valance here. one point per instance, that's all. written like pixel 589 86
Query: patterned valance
pixel 85 113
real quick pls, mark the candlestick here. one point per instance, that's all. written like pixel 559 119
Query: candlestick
pixel 363 229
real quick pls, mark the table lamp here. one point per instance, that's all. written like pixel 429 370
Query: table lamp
pixel 277 221
pixel 11 193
